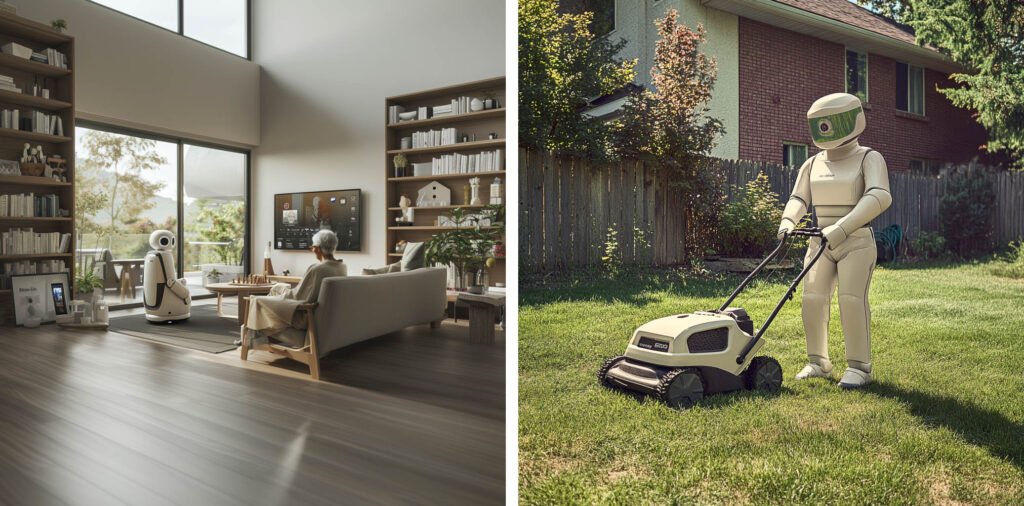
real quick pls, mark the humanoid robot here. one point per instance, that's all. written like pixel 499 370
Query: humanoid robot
pixel 846 186
pixel 166 298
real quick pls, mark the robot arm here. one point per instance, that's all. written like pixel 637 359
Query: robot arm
pixel 799 200
pixel 875 201
pixel 177 287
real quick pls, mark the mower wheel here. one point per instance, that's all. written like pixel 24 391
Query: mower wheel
pixel 764 374
pixel 602 373
pixel 681 388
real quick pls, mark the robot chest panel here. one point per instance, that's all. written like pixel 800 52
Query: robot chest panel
pixel 837 183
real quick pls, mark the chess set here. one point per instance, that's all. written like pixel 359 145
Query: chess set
pixel 251 280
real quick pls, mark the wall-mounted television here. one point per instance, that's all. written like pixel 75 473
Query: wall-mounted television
pixel 297 216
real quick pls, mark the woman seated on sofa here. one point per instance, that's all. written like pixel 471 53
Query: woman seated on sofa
pixel 274 315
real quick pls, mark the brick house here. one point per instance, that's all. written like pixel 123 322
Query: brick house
pixel 775 57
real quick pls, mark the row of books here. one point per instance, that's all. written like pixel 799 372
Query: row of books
pixel 457 106
pixel 458 163
pixel 30 205
pixel 431 138
pixel 7 84
pixel 9 269
pixel 51 56
pixel 25 241
pixel 33 121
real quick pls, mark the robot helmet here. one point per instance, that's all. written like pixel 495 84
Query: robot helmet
pixel 835 120
pixel 162 240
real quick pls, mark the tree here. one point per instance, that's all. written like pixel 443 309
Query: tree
pixel 562 65
pixel 223 223
pixel 897 10
pixel 987 38
pixel 113 181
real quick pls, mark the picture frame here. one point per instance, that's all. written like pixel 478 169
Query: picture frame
pixel 10 168
pixel 48 294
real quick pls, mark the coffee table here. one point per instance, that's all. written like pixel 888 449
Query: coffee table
pixel 483 310
pixel 241 291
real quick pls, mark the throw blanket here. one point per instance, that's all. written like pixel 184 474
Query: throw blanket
pixel 273 313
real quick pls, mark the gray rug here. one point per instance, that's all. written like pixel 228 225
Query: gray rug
pixel 203 331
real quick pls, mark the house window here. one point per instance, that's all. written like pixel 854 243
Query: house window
pixel 793 155
pixel 909 88
pixel 604 13
pixel 223 24
pixel 924 166
pixel 857 74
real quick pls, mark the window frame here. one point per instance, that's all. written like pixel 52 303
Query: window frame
pixel 787 146
pixel 910 68
pixel 180 142
pixel 181 26
pixel 867 67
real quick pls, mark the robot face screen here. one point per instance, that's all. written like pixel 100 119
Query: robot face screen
pixel 834 126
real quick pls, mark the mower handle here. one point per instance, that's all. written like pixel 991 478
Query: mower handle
pixel 796 232
pixel 805 232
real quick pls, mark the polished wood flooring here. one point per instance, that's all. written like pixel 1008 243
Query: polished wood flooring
pixel 415 417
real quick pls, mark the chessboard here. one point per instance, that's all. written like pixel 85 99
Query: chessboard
pixel 251 280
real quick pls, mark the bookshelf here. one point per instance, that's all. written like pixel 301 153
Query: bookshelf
pixel 478 125
pixel 61 102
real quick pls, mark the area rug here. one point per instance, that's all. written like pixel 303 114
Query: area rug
pixel 204 330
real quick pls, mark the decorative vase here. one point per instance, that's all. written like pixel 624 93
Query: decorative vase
pixel 476 105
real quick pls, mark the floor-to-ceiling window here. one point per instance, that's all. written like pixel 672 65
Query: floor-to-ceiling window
pixel 223 24
pixel 130 184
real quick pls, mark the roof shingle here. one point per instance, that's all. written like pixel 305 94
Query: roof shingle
pixel 854 15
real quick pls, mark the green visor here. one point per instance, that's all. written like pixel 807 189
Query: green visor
pixel 833 126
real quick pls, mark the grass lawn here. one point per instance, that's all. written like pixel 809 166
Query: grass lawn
pixel 943 424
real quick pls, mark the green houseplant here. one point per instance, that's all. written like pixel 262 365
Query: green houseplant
pixel 86 284
pixel 468 247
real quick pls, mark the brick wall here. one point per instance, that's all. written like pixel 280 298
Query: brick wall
pixel 783 72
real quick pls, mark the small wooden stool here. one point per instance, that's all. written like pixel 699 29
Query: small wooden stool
pixel 483 310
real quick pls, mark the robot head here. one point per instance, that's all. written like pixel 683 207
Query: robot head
pixel 835 120
pixel 162 240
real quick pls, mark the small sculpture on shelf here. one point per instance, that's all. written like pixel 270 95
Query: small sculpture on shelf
pixel 474 186
pixel 400 246
pixel 408 213
pixel 400 162
pixel 497 196
pixel 33 161
pixel 56 168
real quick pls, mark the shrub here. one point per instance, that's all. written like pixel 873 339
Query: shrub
pixel 965 213
pixel 928 245
pixel 1013 266
pixel 748 224
pixel 612 258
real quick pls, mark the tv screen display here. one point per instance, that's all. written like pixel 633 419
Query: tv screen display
pixel 297 216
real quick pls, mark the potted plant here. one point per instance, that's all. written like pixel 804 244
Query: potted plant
pixel 213 276
pixel 400 163
pixel 87 283
pixel 468 247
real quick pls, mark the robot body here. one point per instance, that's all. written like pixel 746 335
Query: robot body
pixel 166 297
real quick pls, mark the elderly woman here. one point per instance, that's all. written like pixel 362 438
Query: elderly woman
pixel 274 315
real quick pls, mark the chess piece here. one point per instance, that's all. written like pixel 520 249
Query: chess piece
pixel 474 186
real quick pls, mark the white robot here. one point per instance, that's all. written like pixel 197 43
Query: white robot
pixel 166 298
pixel 847 186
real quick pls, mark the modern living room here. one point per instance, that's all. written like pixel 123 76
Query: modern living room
pixel 252 251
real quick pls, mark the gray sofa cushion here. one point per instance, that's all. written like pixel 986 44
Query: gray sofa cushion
pixel 412 257
pixel 395 267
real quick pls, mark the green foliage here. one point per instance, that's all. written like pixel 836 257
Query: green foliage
pixel 1013 264
pixel 928 245
pixel 896 10
pixel 965 213
pixel 468 247
pixel 562 65
pixel 985 37
pixel 86 280
pixel 221 223
pixel 612 258
pixel 749 223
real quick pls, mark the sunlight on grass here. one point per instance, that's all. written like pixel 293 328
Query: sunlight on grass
pixel 943 423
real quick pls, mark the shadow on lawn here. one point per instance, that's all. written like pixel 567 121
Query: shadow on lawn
pixel 979 426
pixel 634 289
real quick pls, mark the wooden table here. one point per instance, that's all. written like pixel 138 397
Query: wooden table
pixel 241 291
pixel 127 279
pixel 483 309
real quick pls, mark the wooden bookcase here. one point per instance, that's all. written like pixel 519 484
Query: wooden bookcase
pixel 478 125
pixel 61 83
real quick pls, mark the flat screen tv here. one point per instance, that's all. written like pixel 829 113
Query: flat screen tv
pixel 297 216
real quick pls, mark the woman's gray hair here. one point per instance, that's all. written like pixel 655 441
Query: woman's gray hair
pixel 326 240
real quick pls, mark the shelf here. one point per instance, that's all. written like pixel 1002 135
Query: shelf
pixel 399 255
pixel 49 104
pixel 451 118
pixel 43 69
pixel 461 146
pixel 11 24
pixel 32 136
pixel 32 257
pixel 32 218
pixel 452 91
pixel 417 227
pixel 446 176
pixel 438 208
pixel 31 181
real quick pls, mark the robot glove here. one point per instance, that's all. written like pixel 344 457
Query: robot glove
pixel 834 234
pixel 784 228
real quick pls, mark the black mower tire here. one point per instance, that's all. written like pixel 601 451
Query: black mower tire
pixel 764 374
pixel 681 388
pixel 602 373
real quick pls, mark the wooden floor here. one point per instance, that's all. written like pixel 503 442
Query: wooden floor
pixel 415 417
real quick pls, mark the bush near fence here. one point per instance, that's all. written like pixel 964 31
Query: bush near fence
pixel 567 205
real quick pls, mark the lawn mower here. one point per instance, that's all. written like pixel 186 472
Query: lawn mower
pixel 681 358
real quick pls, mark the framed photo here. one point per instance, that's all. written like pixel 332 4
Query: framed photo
pixel 41 295
pixel 10 168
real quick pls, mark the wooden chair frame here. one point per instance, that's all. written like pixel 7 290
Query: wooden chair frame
pixel 308 354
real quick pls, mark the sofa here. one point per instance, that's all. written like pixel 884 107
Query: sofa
pixel 354 309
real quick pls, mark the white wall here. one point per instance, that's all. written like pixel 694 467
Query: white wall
pixel 137 75
pixel 327 66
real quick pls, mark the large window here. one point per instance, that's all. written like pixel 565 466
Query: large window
pixel 857 74
pixel 909 88
pixel 130 185
pixel 793 154
pixel 223 24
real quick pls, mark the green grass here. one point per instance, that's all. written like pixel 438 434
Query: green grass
pixel 943 424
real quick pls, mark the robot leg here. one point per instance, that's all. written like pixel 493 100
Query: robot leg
pixel 855 270
pixel 819 285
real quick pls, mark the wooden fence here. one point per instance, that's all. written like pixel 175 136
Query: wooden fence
pixel 567 205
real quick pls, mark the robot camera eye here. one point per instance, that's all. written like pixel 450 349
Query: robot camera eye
pixel 825 126
pixel 164 241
